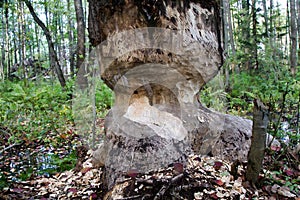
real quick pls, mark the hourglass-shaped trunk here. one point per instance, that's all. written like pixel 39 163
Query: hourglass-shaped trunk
pixel 156 74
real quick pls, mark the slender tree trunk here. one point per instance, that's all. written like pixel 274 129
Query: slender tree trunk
pixel 46 13
pixel 71 41
pixel 298 26
pixel 293 35
pixel 20 61
pixel 38 46
pixel 3 44
pixel 23 42
pixel 15 53
pixel 266 18
pixel 62 44
pixel 246 32
pixel 258 141
pixel 287 24
pixel 254 30
pixel 7 44
pixel 230 30
pixel 52 53
pixel 226 12
pixel 80 33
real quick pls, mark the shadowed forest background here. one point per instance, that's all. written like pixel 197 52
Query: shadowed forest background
pixel 44 43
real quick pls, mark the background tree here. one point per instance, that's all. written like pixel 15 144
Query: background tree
pixel 52 53
pixel 80 33
pixel 293 51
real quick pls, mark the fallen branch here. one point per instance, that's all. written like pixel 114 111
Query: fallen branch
pixel 164 188
pixel 9 147
pixel 132 197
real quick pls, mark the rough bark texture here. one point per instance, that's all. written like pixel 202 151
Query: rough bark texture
pixel 258 144
pixel 80 33
pixel 293 35
pixel 157 124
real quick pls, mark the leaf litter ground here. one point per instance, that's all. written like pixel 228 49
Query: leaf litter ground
pixel 202 177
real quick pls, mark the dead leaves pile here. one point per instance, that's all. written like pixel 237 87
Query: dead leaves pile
pixel 201 178
pixel 85 184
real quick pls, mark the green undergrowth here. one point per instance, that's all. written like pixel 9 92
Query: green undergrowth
pixel 281 93
pixel 36 116
pixel 269 87
pixel 30 111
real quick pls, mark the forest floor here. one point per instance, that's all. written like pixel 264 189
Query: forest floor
pixel 202 177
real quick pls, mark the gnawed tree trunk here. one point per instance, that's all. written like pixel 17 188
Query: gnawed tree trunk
pixel 157 118
pixel 258 144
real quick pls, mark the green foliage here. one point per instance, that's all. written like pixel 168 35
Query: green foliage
pixel 38 109
pixel 104 98
pixel 26 174
pixel 213 95
pixel 60 163
pixel 30 112
pixel 3 181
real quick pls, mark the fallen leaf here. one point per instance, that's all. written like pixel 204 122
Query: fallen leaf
pixel 73 190
pixel 219 182
pixel 132 173
pixel 178 167
pixel 275 188
pixel 17 190
pixel 85 170
pixel 218 165
pixel 289 172
pixel 275 148
pixel 214 196
pixel 285 191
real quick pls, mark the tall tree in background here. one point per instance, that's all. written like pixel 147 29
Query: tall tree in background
pixel 52 53
pixel 298 26
pixel 293 25
pixel 80 33
pixel 228 39
pixel 6 51
pixel 245 24
pixel 254 35
pixel 71 40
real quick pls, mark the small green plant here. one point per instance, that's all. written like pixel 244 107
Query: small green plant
pixel 104 98
pixel 3 181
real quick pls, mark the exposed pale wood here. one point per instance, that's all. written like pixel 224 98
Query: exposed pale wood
pixel 173 104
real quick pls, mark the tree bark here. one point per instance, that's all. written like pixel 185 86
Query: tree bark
pixel 226 12
pixel 298 28
pixel 258 141
pixel 158 117
pixel 52 53
pixel 245 24
pixel 266 18
pixel 293 35
pixel 7 44
pixel 254 34
pixel 80 33
pixel 71 41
